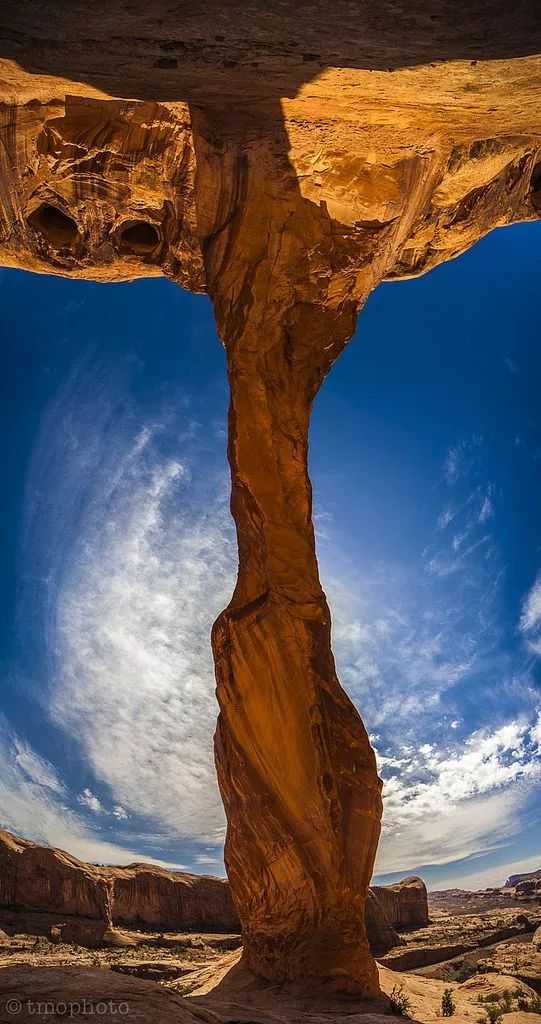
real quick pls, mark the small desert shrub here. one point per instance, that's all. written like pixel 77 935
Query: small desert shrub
pixel 493 1014
pixel 506 1001
pixel 498 1003
pixel 400 1004
pixel 529 1005
pixel 448 1005
pixel 465 971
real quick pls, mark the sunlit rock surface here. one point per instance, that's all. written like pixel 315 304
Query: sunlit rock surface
pixel 285 161
pixel 47 879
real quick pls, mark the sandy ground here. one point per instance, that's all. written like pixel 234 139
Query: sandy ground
pixel 185 977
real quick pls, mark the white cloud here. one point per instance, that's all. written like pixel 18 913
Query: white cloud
pixel 536 731
pixel 133 549
pixel 487 510
pixel 135 680
pixel 457 802
pixel 149 565
pixel 494 876
pixel 398 651
pixel 88 799
pixel 453 465
pixel 531 609
pixel 31 807
pixel 446 564
pixel 460 457
pixel 446 517
pixel 35 768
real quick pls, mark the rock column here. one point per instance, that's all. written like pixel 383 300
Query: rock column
pixel 295 767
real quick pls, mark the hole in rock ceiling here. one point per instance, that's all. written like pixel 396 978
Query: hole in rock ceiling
pixel 535 185
pixel 54 225
pixel 140 238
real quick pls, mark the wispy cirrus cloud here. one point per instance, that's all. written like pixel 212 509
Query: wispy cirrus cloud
pixel 413 643
pixel 36 804
pixel 148 559
pixel 530 619
pixel 34 768
pixel 460 458
pixel 135 676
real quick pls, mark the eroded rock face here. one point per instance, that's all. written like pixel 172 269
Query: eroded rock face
pixel 99 189
pixel 46 879
pixel 49 879
pixel 150 895
pixel 288 196
pixel 405 903
pixel 381 935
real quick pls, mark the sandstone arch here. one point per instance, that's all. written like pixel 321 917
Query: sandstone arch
pixel 287 182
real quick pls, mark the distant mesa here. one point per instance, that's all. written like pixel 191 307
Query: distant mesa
pixel 46 879
pixel 527 877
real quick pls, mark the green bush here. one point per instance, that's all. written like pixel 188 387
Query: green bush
pixel 400 1004
pixel 465 971
pixel 529 1004
pixel 493 1014
pixel 497 1003
pixel 506 1001
pixel 448 1005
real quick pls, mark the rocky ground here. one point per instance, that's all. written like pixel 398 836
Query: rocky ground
pixel 159 956
pixel 463 939
pixel 485 947
pixel 223 992
pixel 457 902
pixel 480 946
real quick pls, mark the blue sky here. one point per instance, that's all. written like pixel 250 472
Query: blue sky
pixel 118 551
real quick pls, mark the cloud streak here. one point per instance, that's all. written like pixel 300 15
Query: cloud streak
pixel 32 807
pixel 135 675
pixel 448 804
pixel 144 558
pixel 530 619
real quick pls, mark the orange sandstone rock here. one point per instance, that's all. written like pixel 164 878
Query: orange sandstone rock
pixel 405 903
pixel 47 879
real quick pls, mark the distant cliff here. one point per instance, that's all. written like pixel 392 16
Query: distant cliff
pixel 42 878
pixel 527 876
